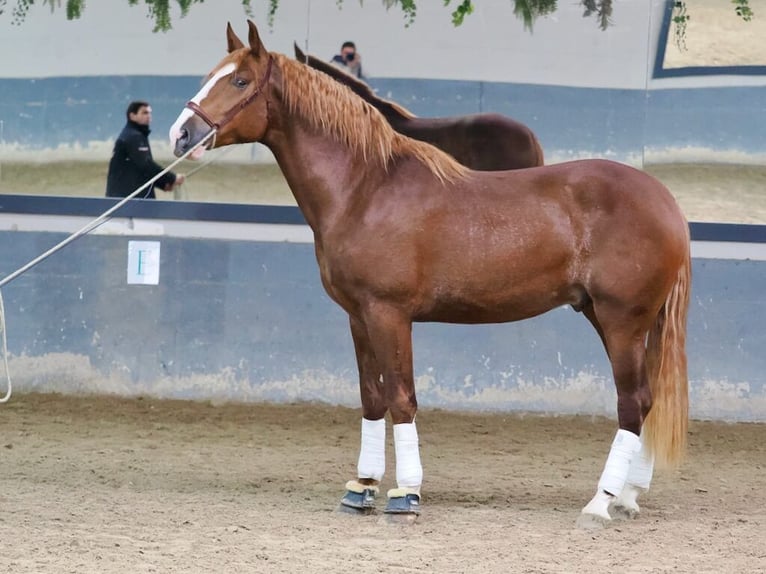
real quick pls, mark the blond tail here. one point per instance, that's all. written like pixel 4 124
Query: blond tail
pixel 666 425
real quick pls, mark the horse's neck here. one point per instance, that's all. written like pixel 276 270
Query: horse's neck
pixel 319 171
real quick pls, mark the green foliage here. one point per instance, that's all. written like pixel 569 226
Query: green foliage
pixel 273 5
pixel 464 9
pixel 74 9
pixel 530 10
pixel 680 20
pixel 742 8
pixel 159 11
pixel 20 9
pixel 601 9
pixel 409 9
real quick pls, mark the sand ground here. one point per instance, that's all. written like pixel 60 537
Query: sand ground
pixel 110 485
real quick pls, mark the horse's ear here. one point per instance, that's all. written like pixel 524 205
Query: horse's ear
pixel 232 40
pixel 254 38
pixel 299 55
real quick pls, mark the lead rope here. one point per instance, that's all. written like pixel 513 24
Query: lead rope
pixel 7 396
pixel 84 230
pixel 203 165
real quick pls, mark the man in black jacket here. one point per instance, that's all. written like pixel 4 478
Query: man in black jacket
pixel 132 164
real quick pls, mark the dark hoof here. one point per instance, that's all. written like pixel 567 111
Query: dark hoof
pixel 409 504
pixel 358 502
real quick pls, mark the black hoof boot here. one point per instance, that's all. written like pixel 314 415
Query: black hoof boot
pixel 402 507
pixel 359 498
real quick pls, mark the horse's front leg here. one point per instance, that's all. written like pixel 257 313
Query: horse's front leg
pixel 361 493
pixel 390 335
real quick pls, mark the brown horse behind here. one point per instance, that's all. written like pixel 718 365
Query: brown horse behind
pixel 484 142
pixel 404 233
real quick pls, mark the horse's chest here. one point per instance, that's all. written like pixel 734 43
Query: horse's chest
pixel 335 277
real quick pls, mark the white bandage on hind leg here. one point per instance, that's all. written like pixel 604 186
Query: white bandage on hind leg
pixel 409 472
pixel 372 455
pixel 624 449
pixel 642 467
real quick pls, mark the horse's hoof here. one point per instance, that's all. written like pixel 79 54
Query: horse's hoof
pixel 358 499
pixel 623 512
pixel 592 521
pixel 596 512
pixel 406 504
pixel 625 507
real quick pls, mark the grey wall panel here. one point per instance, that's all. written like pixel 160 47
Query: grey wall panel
pixel 249 320
pixel 570 122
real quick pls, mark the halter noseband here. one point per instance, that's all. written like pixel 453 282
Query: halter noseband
pixel 238 107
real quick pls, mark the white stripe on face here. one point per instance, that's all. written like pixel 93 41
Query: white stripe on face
pixel 175 129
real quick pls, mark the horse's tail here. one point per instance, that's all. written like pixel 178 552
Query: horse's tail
pixel 666 425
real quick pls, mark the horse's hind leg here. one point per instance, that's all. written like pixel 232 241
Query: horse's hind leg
pixel 361 493
pixel 624 339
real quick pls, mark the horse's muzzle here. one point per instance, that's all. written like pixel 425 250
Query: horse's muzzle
pixel 187 133
pixel 182 144
pixel 188 138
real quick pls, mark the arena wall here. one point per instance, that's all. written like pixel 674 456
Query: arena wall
pixel 239 314
pixel 584 91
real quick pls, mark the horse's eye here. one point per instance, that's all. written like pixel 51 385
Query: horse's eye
pixel 240 82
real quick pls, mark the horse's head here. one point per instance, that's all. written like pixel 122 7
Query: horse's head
pixel 233 100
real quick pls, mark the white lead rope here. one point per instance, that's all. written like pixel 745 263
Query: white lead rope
pixel 84 230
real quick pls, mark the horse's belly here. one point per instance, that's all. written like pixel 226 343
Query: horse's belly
pixel 491 310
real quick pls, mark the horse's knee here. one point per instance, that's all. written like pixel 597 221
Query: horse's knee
pixel 403 405
pixel 374 407
pixel 374 402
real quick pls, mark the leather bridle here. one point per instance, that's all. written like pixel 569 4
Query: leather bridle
pixel 238 107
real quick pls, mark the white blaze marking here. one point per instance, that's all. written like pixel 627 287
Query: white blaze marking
pixel 175 129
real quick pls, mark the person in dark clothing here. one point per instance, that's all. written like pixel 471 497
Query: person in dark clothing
pixel 132 164
pixel 349 60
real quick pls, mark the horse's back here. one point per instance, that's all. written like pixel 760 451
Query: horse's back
pixel 597 206
pixel 622 187
pixel 626 222
pixel 611 183
pixel 514 139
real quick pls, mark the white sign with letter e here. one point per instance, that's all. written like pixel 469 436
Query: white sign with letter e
pixel 144 262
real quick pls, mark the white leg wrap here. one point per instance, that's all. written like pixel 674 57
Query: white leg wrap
pixel 409 472
pixel 642 468
pixel 372 455
pixel 624 449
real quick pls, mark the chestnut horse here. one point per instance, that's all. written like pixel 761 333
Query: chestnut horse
pixel 485 142
pixel 405 233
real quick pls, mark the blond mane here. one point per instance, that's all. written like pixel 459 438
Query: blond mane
pixel 333 108
pixel 355 84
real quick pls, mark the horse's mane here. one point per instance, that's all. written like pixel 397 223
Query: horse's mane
pixel 357 86
pixel 333 108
